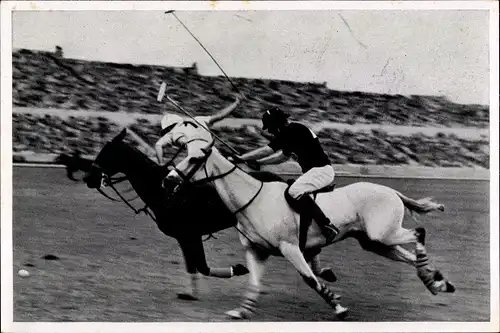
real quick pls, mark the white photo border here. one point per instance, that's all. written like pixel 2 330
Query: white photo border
pixel 7 7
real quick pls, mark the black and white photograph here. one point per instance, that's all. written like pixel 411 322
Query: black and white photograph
pixel 221 166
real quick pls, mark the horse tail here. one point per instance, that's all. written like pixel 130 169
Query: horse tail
pixel 421 206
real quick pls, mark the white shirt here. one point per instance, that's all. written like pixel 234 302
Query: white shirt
pixel 185 133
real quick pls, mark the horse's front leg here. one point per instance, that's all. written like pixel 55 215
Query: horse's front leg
pixel 293 254
pixel 256 264
pixel 326 273
pixel 194 256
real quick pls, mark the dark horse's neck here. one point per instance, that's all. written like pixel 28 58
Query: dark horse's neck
pixel 144 175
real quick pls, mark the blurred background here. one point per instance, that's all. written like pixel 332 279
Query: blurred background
pixel 61 105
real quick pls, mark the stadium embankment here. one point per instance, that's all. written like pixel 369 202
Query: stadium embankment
pixel 29 157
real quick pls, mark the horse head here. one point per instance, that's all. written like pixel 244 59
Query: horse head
pixel 72 163
pixel 194 166
pixel 108 162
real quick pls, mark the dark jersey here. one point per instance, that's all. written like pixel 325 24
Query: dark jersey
pixel 299 140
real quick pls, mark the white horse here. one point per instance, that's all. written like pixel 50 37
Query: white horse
pixel 268 226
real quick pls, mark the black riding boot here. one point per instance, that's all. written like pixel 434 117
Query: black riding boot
pixel 307 205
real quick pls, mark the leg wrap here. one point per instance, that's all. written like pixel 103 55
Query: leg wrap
pixel 222 272
pixel 327 294
pixel 422 261
pixel 249 304
pixel 322 290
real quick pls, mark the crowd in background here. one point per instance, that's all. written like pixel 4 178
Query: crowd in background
pixel 57 135
pixel 48 80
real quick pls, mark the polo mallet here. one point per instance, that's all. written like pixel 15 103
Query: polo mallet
pixel 204 48
pixel 159 98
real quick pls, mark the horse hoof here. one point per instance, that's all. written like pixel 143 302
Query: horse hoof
pixel 441 207
pixel 236 314
pixel 341 312
pixel 328 275
pixel 450 288
pixel 239 270
pixel 187 297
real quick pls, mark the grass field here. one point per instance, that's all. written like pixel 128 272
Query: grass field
pixel 116 266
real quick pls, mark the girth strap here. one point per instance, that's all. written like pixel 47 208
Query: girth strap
pixel 239 210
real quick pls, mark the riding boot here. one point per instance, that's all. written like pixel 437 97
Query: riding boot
pixel 307 204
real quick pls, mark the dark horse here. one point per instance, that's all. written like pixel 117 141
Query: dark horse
pixel 173 210
pixel 74 163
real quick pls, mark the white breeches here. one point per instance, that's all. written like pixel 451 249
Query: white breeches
pixel 312 180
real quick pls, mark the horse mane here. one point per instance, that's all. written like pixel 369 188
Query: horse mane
pixel 141 156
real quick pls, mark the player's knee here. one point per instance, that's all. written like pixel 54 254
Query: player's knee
pixel 291 199
pixel 293 192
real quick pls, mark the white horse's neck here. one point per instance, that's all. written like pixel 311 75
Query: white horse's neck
pixel 235 189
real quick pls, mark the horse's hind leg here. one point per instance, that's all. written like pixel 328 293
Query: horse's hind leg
pixel 192 259
pixel 293 254
pixel 395 252
pixel 431 277
pixel 256 264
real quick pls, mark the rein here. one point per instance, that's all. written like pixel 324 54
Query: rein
pixel 208 179
pixel 109 181
pixel 144 210
pixel 220 176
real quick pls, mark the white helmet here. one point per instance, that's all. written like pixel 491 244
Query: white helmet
pixel 170 119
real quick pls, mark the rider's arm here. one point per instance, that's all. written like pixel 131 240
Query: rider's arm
pixel 223 113
pixel 257 153
pixel 276 158
pixel 160 144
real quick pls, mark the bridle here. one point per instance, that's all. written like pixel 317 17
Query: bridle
pixel 202 162
pixel 110 181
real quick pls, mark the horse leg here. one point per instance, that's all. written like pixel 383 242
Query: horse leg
pixel 194 254
pixel 293 254
pixel 191 259
pixel 256 263
pixel 432 278
pixel 396 252
pixel 326 273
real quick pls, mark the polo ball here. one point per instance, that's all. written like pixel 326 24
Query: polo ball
pixel 23 273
